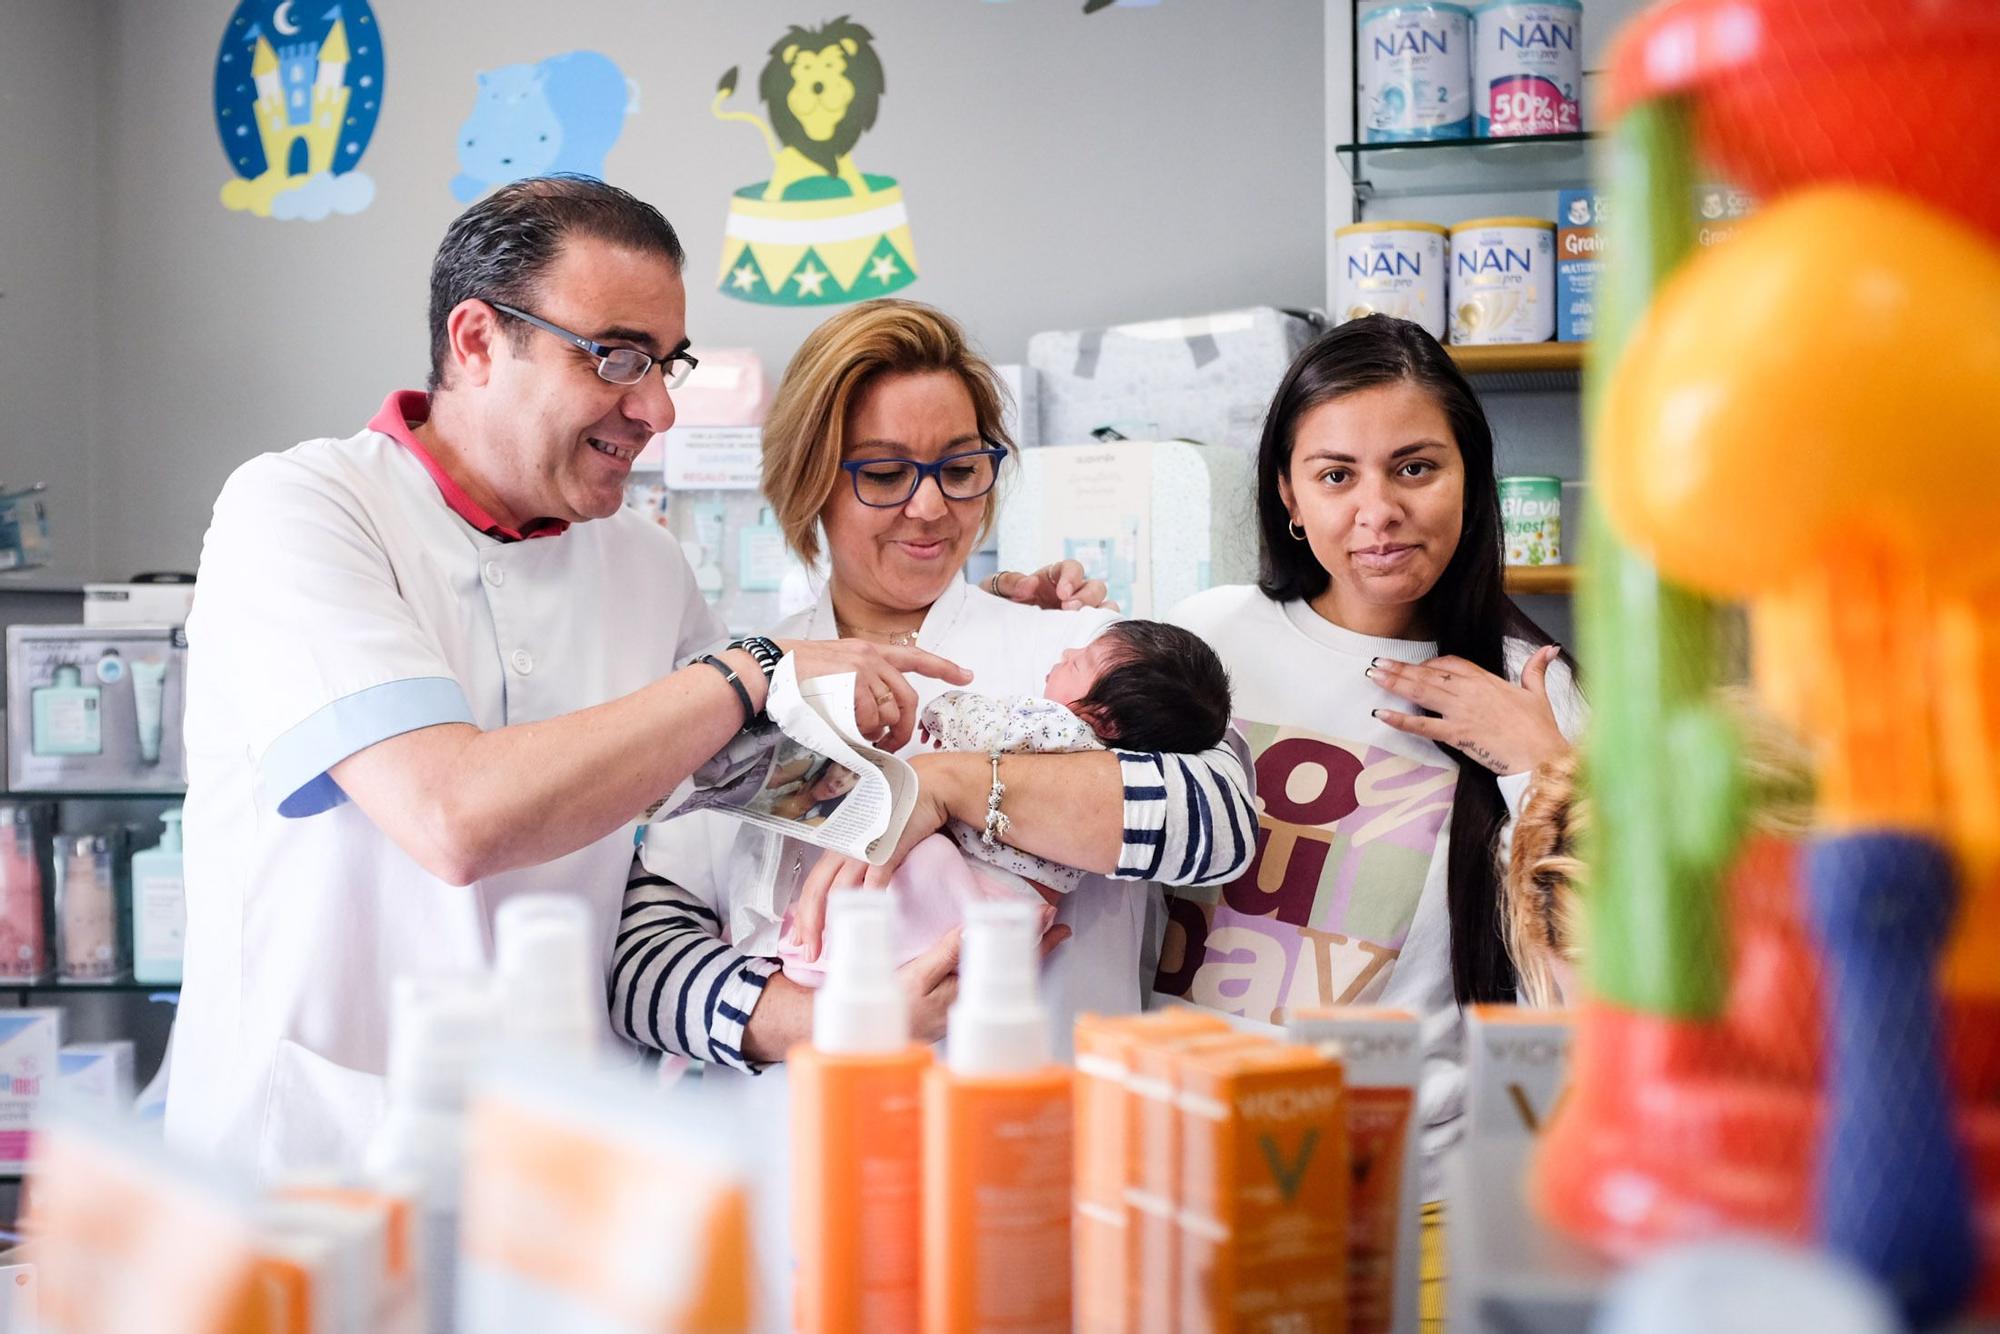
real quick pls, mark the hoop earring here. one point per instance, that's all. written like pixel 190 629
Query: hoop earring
pixel 1298 533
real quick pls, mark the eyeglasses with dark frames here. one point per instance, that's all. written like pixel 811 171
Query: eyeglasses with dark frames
pixel 887 483
pixel 619 365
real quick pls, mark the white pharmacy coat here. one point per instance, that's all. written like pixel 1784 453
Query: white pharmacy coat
pixel 341 601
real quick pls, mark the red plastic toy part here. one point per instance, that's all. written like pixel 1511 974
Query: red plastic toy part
pixel 1796 92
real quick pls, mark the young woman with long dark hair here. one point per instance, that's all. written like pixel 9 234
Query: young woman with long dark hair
pixel 1396 698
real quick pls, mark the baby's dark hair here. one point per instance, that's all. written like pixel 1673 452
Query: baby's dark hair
pixel 1165 690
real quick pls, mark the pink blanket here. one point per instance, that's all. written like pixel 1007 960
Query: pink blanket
pixel 931 890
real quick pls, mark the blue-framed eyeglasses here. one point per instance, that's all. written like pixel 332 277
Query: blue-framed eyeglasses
pixel 619 365
pixel 887 483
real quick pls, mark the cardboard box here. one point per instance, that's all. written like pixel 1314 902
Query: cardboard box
pixel 1517 1069
pixel 29 1043
pixel 1579 213
pixel 1209 378
pixel 1718 211
pixel 137 604
pixel 1264 1189
pixel 100 1072
pixel 1382 1054
pixel 1103 505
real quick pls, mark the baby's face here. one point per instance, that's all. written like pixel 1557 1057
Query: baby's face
pixel 1078 669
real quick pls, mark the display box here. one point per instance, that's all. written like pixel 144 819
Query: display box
pixel 1157 521
pixel 95 709
pixel 1579 213
pixel 1208 379
pixel 99 1073
pixel 29 1043
pixel 163 602
pixel 1517 1069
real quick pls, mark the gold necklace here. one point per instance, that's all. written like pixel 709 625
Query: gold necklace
pixel 893 638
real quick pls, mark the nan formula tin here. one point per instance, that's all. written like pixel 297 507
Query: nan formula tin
pixel 1527 67
pixel 1392 268
pixel 1415 67
pixel 1503 281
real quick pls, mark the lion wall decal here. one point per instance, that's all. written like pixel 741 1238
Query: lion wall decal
pixel 821 88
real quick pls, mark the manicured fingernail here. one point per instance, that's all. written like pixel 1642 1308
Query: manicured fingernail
pixel 1369 671
pixel 1374 662
pixel 1374 713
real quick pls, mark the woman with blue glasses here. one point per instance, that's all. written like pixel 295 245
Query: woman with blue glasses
pixel 882 449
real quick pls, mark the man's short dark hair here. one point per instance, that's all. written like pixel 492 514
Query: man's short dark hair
pixel 498 249
pixel 1164 690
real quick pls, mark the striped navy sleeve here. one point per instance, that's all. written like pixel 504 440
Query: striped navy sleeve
pixel 676 986
pixel 1189 819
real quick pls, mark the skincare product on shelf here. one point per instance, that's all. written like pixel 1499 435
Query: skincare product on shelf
pixel 997 1164
pixel 69 715
pixel 549 984
pixel 30 1041
pixel 24 938
pixel 438 1029
pixel 857 1136
pixel 586 1208
pixel 1381 1059
pixel 1105 1047
pixel 100 1072
pixel 90 909
pixel 1516 1070
pixel 149 683
pixel 159 906
pixel 1264 1187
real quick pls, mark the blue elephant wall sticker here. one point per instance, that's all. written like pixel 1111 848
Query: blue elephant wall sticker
pixel 561 114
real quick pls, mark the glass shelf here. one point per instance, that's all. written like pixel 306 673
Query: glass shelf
pixel 113 985
pixel 1467 166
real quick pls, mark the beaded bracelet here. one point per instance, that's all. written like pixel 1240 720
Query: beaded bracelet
pixel 997 823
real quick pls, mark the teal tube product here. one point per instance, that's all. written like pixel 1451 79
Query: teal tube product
pixel 149 683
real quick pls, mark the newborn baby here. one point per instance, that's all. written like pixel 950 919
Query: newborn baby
pixel 1140 685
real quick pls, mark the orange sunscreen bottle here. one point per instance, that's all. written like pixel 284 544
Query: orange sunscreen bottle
pixel 857 1143
pixel 1104 1048
pixel 1264 1192
pixel 997 1144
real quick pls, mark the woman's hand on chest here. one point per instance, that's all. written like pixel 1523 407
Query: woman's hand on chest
pixel 1507 728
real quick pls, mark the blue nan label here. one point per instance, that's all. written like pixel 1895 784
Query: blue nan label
pixel 1415 70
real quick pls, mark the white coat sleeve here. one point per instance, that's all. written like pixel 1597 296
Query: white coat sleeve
pixel 298 607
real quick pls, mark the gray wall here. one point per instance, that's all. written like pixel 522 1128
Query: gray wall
pixel 52 386
pixel 1060 171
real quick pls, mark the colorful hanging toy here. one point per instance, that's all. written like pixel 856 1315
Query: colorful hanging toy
pixel 1805 419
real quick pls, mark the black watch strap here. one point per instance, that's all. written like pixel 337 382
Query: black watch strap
pixel 763 650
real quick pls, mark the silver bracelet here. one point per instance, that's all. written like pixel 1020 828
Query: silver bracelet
pixel 997 823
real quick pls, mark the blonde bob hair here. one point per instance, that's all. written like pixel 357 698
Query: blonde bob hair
pixel 807 428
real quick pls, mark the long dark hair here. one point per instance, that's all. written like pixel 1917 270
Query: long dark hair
pixel 1467 610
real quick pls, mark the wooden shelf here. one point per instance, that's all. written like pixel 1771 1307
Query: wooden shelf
pixel 1521 367
pixel 1541 579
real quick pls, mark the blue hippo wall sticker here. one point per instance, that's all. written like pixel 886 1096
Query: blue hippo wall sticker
pixel 559 114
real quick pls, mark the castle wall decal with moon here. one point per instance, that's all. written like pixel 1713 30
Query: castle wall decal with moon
pixel 298 89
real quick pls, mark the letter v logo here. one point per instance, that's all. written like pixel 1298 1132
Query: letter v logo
pixel 1289 1175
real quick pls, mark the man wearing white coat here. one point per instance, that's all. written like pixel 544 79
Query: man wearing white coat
pixel 438 664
